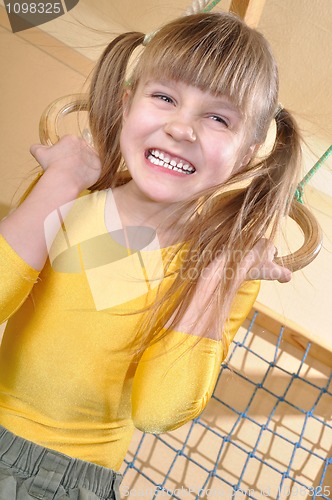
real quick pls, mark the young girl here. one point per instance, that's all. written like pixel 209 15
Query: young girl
pixel 148 275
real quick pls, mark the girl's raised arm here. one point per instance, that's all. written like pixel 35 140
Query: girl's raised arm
pixel 70 167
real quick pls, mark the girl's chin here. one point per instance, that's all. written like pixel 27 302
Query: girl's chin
pixel 161 196
pixel 161 188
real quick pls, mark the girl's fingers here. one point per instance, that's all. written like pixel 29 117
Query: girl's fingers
pixel 285 275
pixel 270 271
pixel 38 152
pixel 35 147
pixel 72 158
pixel 262 266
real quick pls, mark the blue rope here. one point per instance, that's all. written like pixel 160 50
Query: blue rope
pixel 229 443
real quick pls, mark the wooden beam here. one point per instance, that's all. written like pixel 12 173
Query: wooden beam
pixel 293 333
pixel 249 10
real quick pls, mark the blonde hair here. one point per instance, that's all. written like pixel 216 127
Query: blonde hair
pixel 218 53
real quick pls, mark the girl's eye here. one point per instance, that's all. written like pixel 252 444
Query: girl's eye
pixel 163 97
pixel 220 119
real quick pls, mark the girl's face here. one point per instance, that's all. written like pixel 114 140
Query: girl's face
pixel 178 140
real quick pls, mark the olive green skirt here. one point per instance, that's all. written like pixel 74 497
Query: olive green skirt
pixel 30 471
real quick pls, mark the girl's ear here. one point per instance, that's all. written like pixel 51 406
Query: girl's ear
pixel 251 152
pixel 127 96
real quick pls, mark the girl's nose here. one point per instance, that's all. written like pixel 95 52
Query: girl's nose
pixel 180 131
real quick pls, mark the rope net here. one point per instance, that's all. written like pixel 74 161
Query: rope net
pixel 266 433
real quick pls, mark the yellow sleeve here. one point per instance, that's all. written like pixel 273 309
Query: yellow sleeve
pixel 174 381
pixel 16 280
pixel 241 307
pixel 176 376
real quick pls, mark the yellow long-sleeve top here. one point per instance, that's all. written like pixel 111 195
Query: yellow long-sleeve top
pixel 69 379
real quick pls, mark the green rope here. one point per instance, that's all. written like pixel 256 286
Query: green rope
pixel 300 188
pixel 211 6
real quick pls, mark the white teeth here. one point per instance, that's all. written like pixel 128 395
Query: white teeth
pixel 158 158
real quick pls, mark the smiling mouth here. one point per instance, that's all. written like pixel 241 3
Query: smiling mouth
pixel 163 160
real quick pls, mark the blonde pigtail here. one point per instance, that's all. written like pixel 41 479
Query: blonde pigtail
pixel 105 104
pixel 289 153
pixel 275 184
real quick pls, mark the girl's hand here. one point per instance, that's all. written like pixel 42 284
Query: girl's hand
pixel 70 167
pixel 72 159
pixel 257 265
pixel 260 264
